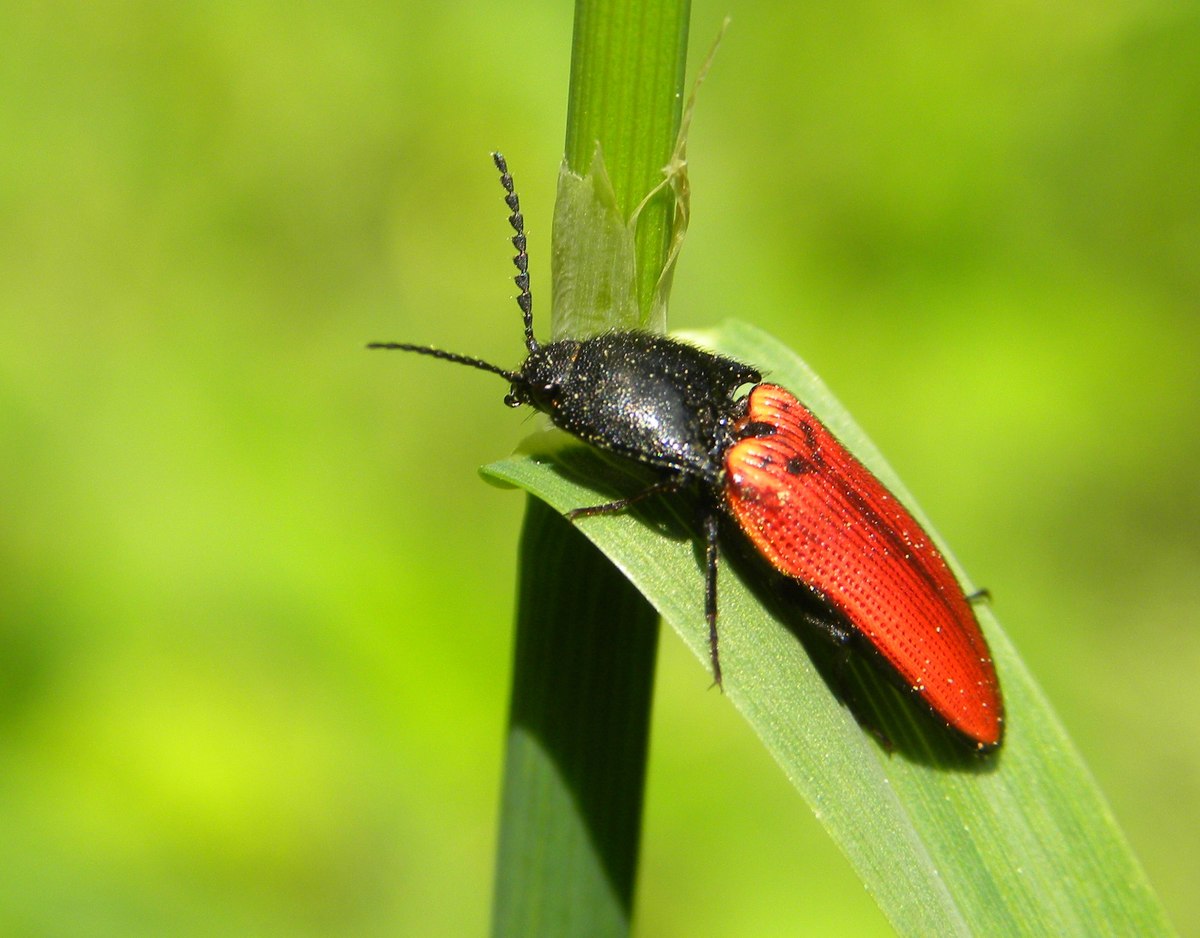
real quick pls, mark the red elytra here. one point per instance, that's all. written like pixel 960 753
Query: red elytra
pixel 817 514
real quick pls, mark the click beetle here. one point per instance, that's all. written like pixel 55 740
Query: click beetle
pixel 806 504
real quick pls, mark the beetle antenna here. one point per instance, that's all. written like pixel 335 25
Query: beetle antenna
pixel 468 360
pixel 521 260
pixel 524 298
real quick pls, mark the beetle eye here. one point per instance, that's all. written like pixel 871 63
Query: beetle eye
pixel 517 395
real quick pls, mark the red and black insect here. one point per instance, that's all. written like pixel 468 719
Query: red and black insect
pixel 812 510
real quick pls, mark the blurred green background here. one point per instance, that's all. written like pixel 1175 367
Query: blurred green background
pixel 255 619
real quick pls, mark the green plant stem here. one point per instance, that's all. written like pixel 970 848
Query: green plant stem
pixel 627 73
pixel 586 640
pixel 575 765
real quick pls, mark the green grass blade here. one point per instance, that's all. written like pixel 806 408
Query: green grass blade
pixel 1019 843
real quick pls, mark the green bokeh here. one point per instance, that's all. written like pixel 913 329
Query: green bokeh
pixel 254 644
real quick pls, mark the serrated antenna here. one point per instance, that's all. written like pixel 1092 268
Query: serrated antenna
pixel 521 259
pixel 469 360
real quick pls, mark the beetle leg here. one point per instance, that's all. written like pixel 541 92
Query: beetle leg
pixel 711 524
pixel 665 487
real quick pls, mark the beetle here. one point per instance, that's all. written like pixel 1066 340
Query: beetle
pixel 815 513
